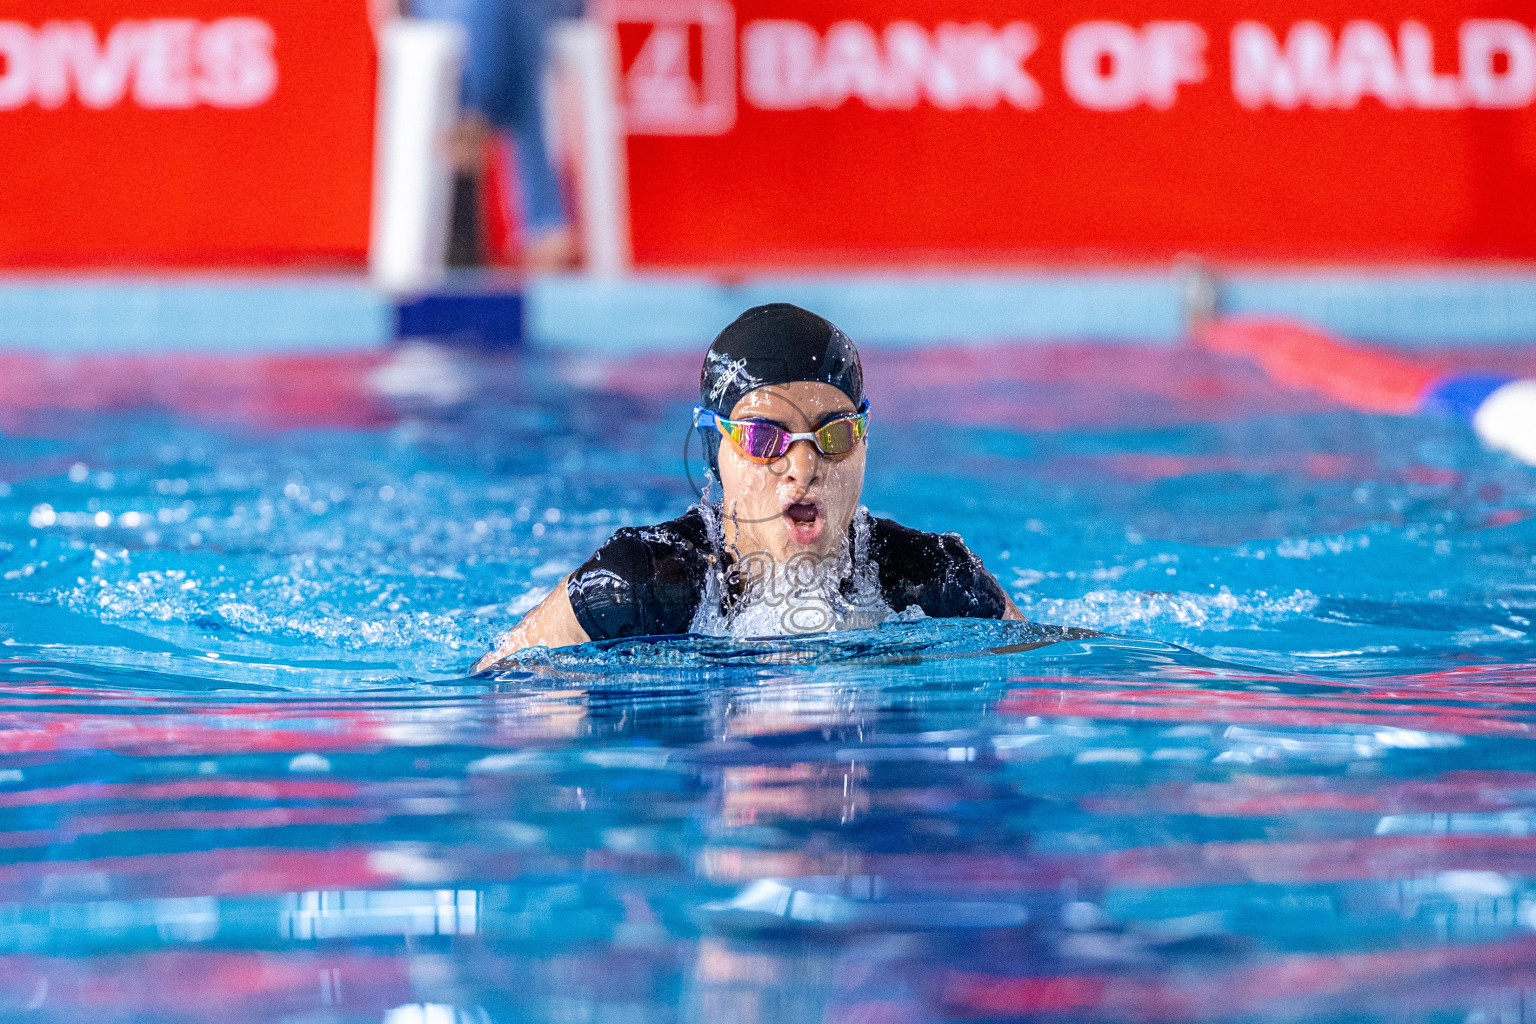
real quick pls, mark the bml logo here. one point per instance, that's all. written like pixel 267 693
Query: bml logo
pixel 678 60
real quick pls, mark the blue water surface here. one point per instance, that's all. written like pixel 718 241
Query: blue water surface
pixel 244 775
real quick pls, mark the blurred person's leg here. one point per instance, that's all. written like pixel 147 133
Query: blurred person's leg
pixel 515 103
pixel 548 243
pixel 484 58
pixel 555 10
pixel 503 82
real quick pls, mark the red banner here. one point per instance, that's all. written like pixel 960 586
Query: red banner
pixel 804 132
pixel 185 132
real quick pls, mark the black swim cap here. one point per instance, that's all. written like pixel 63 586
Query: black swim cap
pixel 774 344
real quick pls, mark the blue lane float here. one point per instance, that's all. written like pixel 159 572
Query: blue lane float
pixel 1502 410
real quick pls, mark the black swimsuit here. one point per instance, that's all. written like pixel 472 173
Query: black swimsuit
pixel 649 581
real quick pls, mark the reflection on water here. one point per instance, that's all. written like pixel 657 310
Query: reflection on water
pixel 987 837
pixel 243 779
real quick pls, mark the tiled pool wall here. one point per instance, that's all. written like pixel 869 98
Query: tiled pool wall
pixel 1406 307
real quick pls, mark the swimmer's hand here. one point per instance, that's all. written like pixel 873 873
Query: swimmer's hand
pixel 552 623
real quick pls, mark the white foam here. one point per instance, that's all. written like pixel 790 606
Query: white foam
pixel 1125 611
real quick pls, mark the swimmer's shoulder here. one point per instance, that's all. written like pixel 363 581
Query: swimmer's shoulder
pixel 935 571
pixel 644 580
pixel 681 537
pixel 888 538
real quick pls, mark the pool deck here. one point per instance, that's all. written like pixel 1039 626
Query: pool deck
pixel 242 314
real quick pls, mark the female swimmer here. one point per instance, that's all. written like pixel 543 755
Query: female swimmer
pixel 788 549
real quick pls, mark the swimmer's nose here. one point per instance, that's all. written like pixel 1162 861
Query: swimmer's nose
pixel 802 463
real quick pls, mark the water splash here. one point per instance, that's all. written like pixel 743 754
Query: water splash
pixel 758 596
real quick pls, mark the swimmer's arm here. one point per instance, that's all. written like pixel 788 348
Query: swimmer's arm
pixel 552 623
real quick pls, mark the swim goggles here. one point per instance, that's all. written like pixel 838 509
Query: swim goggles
pixel 765 441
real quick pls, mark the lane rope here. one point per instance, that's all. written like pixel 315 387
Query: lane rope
pixel 1500 408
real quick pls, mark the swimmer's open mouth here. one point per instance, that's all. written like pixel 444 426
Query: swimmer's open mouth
pixel 804 521
pixel 803 511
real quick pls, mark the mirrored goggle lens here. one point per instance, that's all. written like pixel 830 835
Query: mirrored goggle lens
pixel 838 437
pixel 760 440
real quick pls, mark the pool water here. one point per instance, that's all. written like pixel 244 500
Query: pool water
pixel 245 777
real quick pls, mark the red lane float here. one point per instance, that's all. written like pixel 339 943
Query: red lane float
pixel 1500 408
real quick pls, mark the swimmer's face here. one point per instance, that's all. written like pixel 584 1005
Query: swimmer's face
pixel 804 501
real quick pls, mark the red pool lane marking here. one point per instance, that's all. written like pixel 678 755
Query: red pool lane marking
pixel 22 732
pixel 254 730
pixel 1262 796
pixel 1349 701
pixel 1338 860
pixel 74 827
pixel 279 391
pixel 1246 807
pixel 1496 682
pixel 1184 865
pixel 186 984
pixel 226 788
pixel 1002 996
pixel 1216 801
pixel 1501 684
pixel 229 871
pixel 1246 988
pixel 256 870
pixel 1249 709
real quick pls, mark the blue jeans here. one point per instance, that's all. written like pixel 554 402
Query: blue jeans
pixel 503 79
